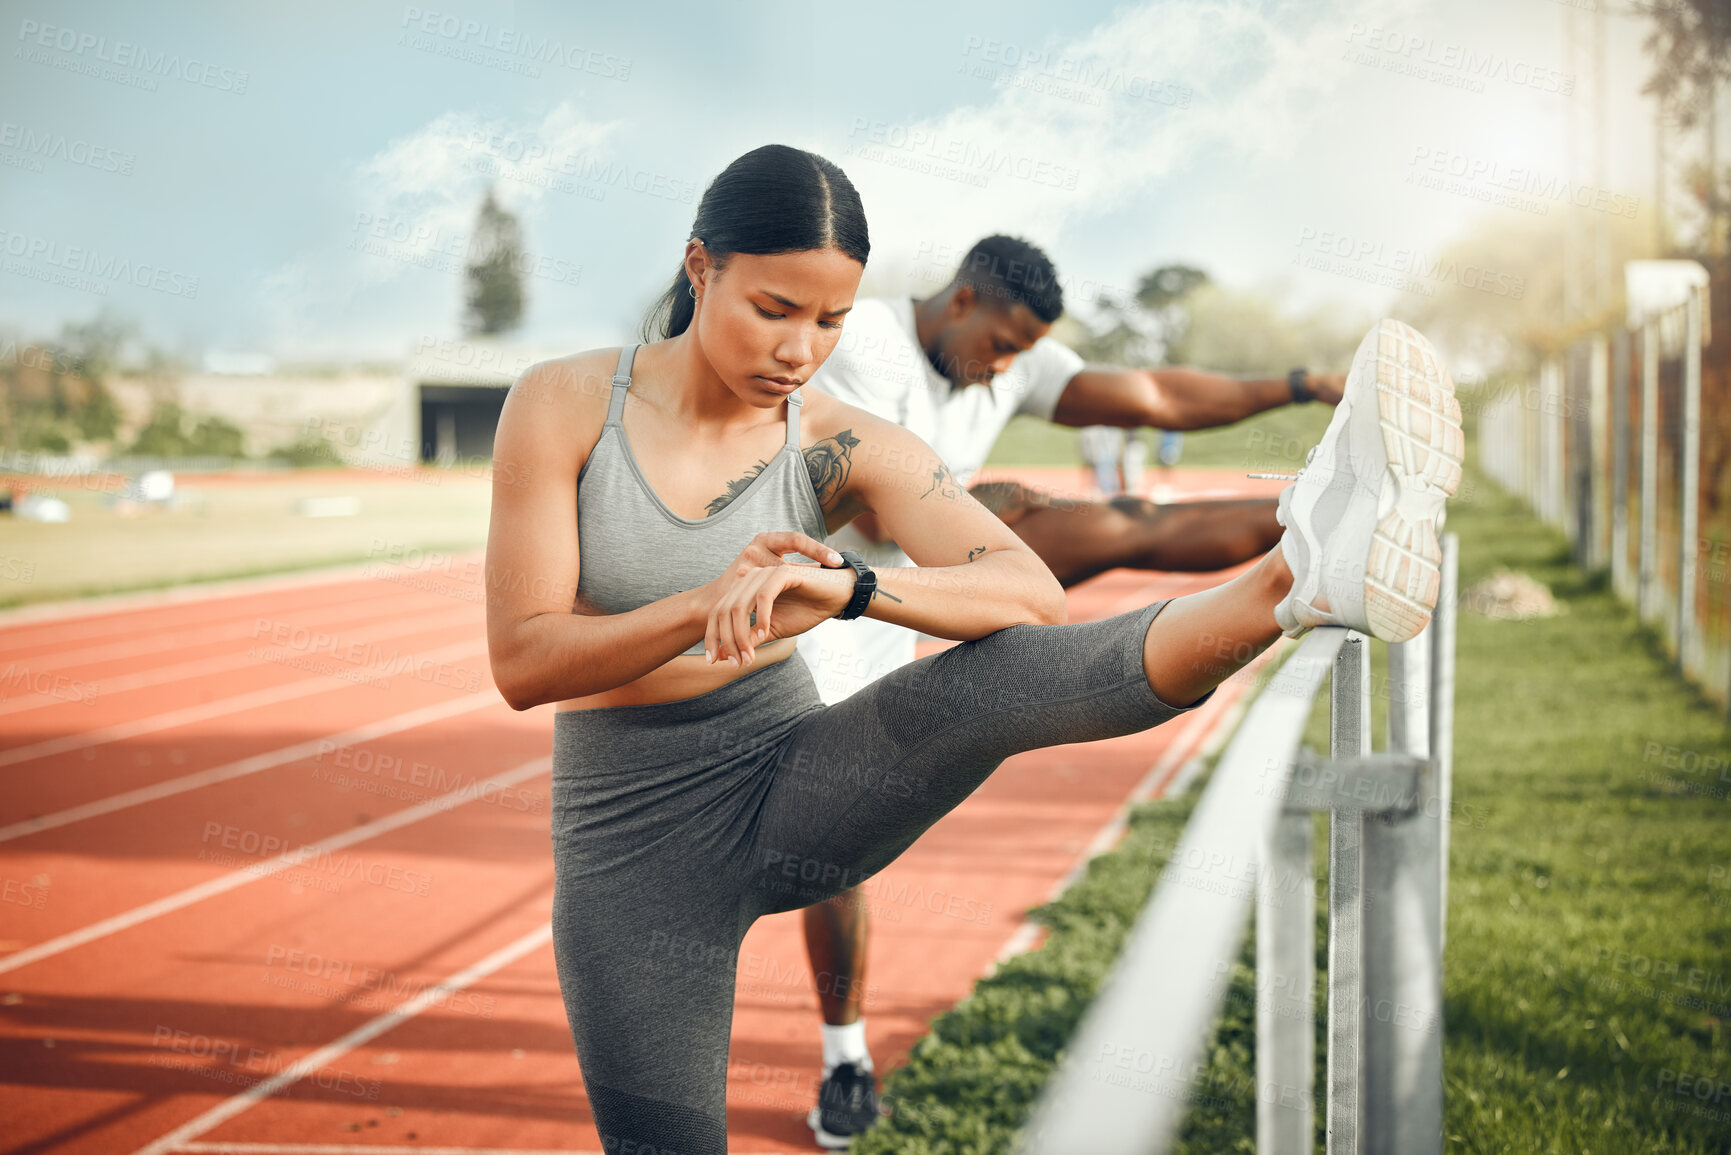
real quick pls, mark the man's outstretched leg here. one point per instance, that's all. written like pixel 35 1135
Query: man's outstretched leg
pixel 835 941
pixel 1078 539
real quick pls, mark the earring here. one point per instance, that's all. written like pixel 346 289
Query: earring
pixel 692 289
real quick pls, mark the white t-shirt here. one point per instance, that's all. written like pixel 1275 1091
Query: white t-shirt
pixel 878 365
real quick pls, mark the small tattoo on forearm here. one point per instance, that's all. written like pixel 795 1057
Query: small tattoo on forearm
pixel 976 552
pixel 943 483
pixel 887 594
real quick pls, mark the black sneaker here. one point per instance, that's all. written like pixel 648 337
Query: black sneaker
pixel 847 1104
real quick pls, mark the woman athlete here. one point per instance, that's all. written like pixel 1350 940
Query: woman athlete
pixel 657 511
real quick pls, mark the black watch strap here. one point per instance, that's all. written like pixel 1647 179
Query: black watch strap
pixel 1299 382
pixel 865 584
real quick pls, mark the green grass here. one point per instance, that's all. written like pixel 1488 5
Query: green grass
pixel 1275 441
pixel 225 530
pixel 1588 965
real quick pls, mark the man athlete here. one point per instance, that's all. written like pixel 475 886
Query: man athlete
pixel 915 363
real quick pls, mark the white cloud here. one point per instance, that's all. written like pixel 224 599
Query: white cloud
pixel 1089 127
pixel 399 248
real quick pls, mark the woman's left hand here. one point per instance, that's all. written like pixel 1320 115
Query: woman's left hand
pixel 773 602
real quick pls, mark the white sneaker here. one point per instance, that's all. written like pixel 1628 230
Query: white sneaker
pixel 1363 517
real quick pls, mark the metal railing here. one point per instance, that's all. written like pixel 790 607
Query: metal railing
pixel 1615 443
pixel 1136 1059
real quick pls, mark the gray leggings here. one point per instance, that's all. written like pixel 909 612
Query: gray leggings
pixel 677 824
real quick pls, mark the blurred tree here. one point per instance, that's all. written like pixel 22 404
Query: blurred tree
pixel 1250 332
pixel 309 451
pixel 495 284
pixel 1690 47
pixel 170 432
pixel 94 348
pixel 1488 325
pixel 1180 316
pixel 1144 329
pixel 1165 293
pixel 54 394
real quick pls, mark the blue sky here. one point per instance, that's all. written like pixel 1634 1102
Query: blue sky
pixel 314 167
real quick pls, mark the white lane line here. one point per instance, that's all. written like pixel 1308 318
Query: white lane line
pixel 1206 725
pixel 267 867
pixel 222 663
pixel 159 640
pixel 106 607
pixel 101 628
pixel 176 1139
pixel 360 1149
pixel 421 717
pixel 186 715
pixel 366 1149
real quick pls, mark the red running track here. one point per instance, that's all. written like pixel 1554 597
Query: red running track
pixel 275 878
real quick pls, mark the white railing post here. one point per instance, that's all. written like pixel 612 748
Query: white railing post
pixel 1442 713
pixel 1647 578
pixel 1349 737
pixel 1402 1015
pixel 1620 463
pixel 1598 443
pixel 1285 986
pixel 1689 487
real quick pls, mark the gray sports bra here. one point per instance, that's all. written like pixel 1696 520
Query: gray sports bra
pixel 634 550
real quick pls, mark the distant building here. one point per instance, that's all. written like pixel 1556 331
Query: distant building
pixel 456 390
pixel 441 405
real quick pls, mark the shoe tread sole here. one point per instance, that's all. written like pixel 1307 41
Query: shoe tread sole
pixel 1420 422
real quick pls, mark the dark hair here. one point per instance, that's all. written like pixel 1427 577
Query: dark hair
pixel 774 199
pixel 1010 271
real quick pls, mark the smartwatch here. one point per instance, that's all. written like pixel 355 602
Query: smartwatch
pixel 1299 382
pixel 865 584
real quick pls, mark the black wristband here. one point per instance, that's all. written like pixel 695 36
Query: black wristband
pixel 1299 382
pixel 864 586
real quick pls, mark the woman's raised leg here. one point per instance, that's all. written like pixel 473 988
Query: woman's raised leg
pixel 858 782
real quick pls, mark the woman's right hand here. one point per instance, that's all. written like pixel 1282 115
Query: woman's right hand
pixel 750 585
